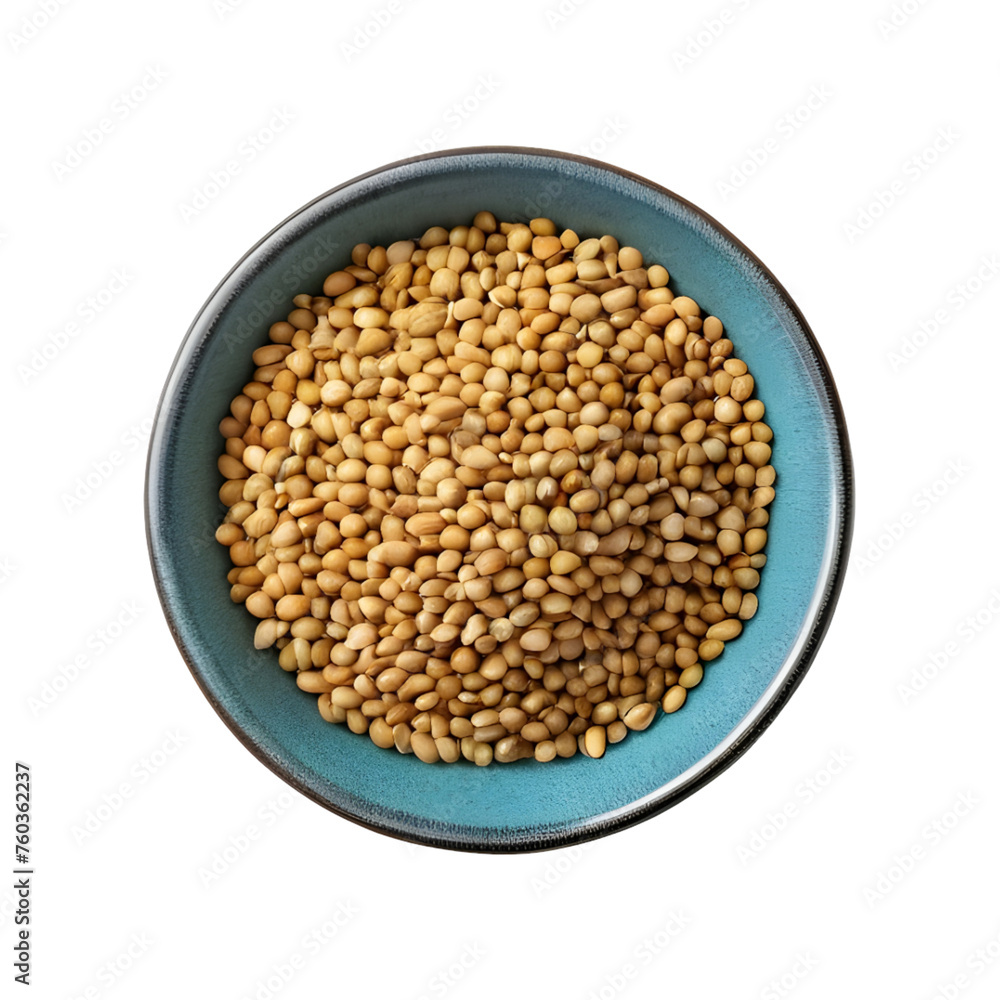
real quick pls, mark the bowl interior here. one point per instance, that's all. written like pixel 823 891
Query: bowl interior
pixel 525 805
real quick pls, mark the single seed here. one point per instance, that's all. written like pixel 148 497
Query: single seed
pixel 710 649
pixel 680 552
pixel 511 748
pixel 725 630
pixel 674 698
pixel 595 741
pixel 425 748
pixel 640 716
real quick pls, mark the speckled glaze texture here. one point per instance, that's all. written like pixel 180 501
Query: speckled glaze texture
pixel 523 806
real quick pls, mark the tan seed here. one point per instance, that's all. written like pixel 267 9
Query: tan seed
pixel 595 740
pixel 640 716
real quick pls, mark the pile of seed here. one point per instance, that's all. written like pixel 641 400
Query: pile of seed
pixel 497 493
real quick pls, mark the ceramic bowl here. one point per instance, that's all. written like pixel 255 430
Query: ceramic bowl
pixel 527 805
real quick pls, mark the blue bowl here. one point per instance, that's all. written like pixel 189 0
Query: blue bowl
pixel 524 806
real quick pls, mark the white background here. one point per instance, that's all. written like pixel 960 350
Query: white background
pixel 883 878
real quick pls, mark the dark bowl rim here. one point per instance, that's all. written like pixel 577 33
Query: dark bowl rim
pixel 723 757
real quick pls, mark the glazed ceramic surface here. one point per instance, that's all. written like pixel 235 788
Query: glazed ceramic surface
pixel 526 805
